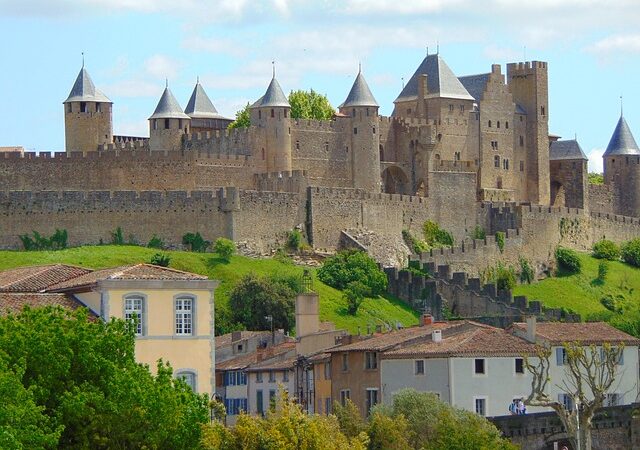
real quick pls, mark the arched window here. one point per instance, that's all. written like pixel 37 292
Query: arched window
pixel 506 124
pixel 489 124
pixel 259 114
pixel 381 153
pixel 167 123
pixel 273 112
pixel 498 124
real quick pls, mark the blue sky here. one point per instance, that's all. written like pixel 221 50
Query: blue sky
pixel 131 46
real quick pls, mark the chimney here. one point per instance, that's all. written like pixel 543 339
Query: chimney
pixel 307 315
pixel 236 336
pixel 531 329
pixel 436 336
pixel 426 319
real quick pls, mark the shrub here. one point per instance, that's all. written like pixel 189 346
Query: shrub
pixel 294 240
pixel 57 241
pixel 505 278
pixel 353 265
pixel 606 249
pixel 225 248
pixel 160 259
pixel 155 242
pixel 436 236
pixel 117 237
pixel 631 252
pixel 195 242
pixel 603 269
pixel 479 233
pixel 415 245
pixel 500 240
pixel 354 294
pixel 568 260
pixel 527 274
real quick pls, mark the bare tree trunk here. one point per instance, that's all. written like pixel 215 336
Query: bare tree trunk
pixel 585 433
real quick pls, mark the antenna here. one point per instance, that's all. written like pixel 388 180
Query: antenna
pixel 359 67
pixel 166 83
pixel 437 47
pixel 198 79
pixel 427 50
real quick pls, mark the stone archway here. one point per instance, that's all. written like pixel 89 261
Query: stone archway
pixel 557 194
pixel 395 181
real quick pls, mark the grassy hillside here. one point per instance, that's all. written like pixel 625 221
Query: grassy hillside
pixel 582 292
pixel 332 306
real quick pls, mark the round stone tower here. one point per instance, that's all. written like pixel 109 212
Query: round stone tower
pixel 272 115
pixel 622 169
pixel 168 124
pixel 87 116
pixel 361 109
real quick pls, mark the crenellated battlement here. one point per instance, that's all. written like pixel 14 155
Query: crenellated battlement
pixel 445 165
pixel 525 68
pixel 317 125
pixel 359 194
pixel 287 181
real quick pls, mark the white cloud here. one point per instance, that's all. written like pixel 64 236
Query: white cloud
pixel 131 128
pixel 134 88
pixel 496 53
pixel 595 160
pixel 394 7
pixel 214 45
pixel 615 44
pixel 162 66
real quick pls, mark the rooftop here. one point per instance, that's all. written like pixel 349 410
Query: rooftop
pixel 84 90
pixel 586 333
pixel 38 278
pixel 441 81
pixel 200 106
pixel 360 94
pixel 481 340
pixel 13 303
pixel 273 97
pixel 567 149
pixel 168 107
pixel 622 141
pixel 226 339
pixel 244 361
pixel 475 84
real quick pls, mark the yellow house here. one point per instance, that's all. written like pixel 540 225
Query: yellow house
pixel 174 311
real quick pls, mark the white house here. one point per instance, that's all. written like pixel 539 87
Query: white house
pixel 266 378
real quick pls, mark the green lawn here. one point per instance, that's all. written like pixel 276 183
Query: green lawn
pixel 332 306
pixel 582 292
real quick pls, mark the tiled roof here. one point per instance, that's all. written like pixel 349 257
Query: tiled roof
pixel 15 302
pixel 37 278
pixel 441 81
pixel 200 105
pixel 475 84
pixel 622 141
pixel 226 339
pixel 481 340
pixel 135 272
pixel 584 333
pixel 84 90
pixel 568 149
pixel 168 107
pixel 360 94
pixel 272 97
pixel 383 341
pixel 320 357
pixel 275 363
pixel 244 361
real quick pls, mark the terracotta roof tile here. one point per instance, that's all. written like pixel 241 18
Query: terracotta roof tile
pixel 226 339
pixel 38 278
pixel 14 302
pixel 481 340
pixel 135 272
pixel 244 361
pixel 384 341
pixel 585 333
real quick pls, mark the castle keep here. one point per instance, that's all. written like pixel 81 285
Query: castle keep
pixel 451 145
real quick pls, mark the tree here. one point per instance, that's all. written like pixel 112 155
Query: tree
pixel 243 118
pixel 310 105
pixel 588 375
pixel 354 294
pixel 631 252
pixel 225 248
pixel 353 265
pixel 196 242
pixel 255 298
pixel 351 423
pixel 387 433
pixel 83 376
pixel 568 260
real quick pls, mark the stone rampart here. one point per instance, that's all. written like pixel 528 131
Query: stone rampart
pixel 288 181
pixel 614 428
pixel 234 141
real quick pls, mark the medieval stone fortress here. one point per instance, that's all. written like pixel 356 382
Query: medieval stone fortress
pixel 462 151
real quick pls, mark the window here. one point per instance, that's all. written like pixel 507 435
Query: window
pixel 372 398
pixel 561 356
pixel 69 107
pixel 420 367
pixel 566 401
pixel 481 406
pixel 367 112
pixel 258 377
pixel 461 108
pixel 612 400
pixel 374 130
pixel 489 124
pixel 479 366
pixel 263 154
pixel 285 113
pixel 83 107
pixel 260 402
pixel 155 124
pixel 450 108
pixel 273 112
pixel 235 406
pixel 521 166
pixel 285 376
pixel 297 145
pixel 505 164
pixel 456 156
pixel 188 377
pixel 327 405
pixel 506 124
pixel 521 119
pixel 133 311
pixel 259 114
pixel 167 124
pixel 494 145
pixel 98 107
pixel 519 366
pixel 496 162
pixel 272 376
pixel 184 316
pixel 542 110
pixel 521 141
pixel 327 370
pixel 353 112
pixel 498 124
pixel 370 360
pixel 345 362
pixel 345 394
pixel 235 378
pixel 355 131
pixel 326 146
pixel 408 110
